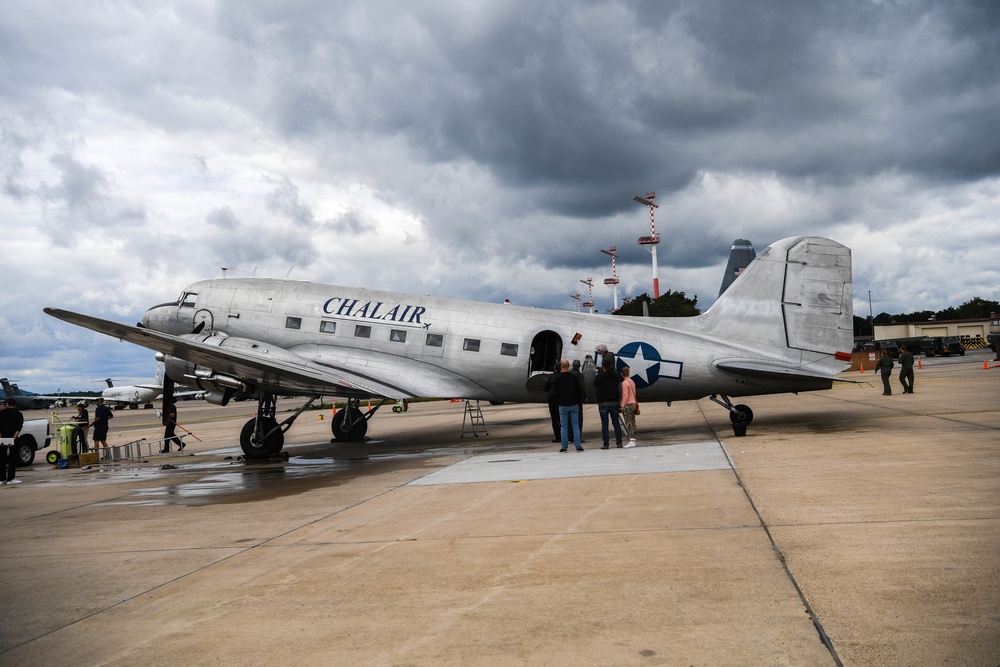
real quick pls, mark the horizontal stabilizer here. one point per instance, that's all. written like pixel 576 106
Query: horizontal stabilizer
pixel 771 370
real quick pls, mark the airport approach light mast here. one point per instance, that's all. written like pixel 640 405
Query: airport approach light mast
pixel 613 280
pixel 652 240
pixel 589 303
pixel 576 297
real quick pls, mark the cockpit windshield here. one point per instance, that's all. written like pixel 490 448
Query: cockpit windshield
pixel 188 300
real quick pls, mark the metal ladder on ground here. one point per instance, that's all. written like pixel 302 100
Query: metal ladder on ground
pixel 473 419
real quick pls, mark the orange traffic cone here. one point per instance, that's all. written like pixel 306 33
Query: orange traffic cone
pixel 862 364
pixel 986 365
pixel 919 363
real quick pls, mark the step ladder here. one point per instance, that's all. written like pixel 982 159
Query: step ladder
pixel 473 419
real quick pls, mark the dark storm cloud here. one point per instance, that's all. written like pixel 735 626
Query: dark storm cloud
pixel 491 149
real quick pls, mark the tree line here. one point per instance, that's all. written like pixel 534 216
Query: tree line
pixel 677 304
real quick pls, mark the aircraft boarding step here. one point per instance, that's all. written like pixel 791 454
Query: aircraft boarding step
pixel 473 419
pixel 135 450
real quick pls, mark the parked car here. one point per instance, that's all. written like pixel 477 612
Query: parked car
pixel 992 340
pixel 888 346
pixel 943 345
pixel 35 435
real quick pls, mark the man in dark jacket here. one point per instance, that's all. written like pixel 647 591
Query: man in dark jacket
pixel 906 369
pixel 569 396
pixel 553 403
pixel 884 365
pixel 608 387
pixel 11 422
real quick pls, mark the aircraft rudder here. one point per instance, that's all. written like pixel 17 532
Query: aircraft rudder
pixel 797 293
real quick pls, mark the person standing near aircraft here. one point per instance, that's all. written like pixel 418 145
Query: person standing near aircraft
pixel 906 369
pixel 170 423
pixel 11 422
pixel 569 396
pixel 553 403
pixel 578 374
pixel 605 356
pixel 102 420
pixel 884 366
pixel 81 421
pixel 629 404
pixel 608 393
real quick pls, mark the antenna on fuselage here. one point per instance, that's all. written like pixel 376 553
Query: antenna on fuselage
pixel 289 272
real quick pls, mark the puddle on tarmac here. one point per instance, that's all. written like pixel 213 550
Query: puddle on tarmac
pixel 224 482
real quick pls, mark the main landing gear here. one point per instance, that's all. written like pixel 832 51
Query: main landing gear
pixel 738 414
pixel 351 424
pixel 262 437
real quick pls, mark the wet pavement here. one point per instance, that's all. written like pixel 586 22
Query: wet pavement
pixel 845 528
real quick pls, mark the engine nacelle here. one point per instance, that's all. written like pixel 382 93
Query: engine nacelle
pixel 219 387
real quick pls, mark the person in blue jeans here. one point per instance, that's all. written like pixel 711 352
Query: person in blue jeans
pixel 608 386
pixel 569 395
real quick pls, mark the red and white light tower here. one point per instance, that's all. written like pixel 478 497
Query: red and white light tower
pixel 589 303
pixel 652 240
pixel 613 280
pixel 576 297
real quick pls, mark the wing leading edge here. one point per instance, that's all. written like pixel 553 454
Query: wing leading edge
pixel 275 368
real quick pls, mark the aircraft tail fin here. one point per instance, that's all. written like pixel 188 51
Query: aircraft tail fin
pixel 797 294
pixel 9 389
pixel 110 383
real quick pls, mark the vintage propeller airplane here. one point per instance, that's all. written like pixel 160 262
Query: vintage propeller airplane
pixel 786 325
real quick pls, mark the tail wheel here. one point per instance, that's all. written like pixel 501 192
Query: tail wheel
pixel 351 431
pixel 743 414
pixel 255 447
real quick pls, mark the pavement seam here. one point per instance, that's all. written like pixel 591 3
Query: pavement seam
pixel 823 637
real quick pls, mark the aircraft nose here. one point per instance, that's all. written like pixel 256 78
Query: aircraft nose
pixel 163 317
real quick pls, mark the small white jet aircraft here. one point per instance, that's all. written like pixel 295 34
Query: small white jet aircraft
pixel 785 326
pixel 135 395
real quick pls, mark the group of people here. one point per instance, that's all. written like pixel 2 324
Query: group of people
pixel 884 365
pixel 103 415
pixel 614 393
pixel 81 421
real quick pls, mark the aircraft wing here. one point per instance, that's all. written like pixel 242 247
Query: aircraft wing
pixel 278 369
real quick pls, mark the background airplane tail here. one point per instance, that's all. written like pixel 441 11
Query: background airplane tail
pixel 9 389
pixel 796 294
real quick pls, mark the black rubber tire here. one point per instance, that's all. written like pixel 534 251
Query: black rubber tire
pixel 745 415
pixel 261 450
pixel 52 457
pixel 24 450
pixel 356 433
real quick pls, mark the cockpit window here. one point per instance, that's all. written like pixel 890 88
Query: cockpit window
pixel 188 299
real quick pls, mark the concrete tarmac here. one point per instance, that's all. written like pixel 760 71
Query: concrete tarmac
pixel 846 528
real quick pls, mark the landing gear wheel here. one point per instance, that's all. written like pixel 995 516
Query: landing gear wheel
pixel 357 429
pixel 743 414
pixel 255 449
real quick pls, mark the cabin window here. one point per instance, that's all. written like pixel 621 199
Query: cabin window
pixel 434 340
pixel 471 345
pixel 326 326
pixel 508 349
pixel 189 299
pixel 293 322
pixel 397 336
pixel 362 331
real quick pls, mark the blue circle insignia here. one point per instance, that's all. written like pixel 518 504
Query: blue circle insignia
pixel 643 361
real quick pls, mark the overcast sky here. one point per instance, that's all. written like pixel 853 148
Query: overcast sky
pixel 483 153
